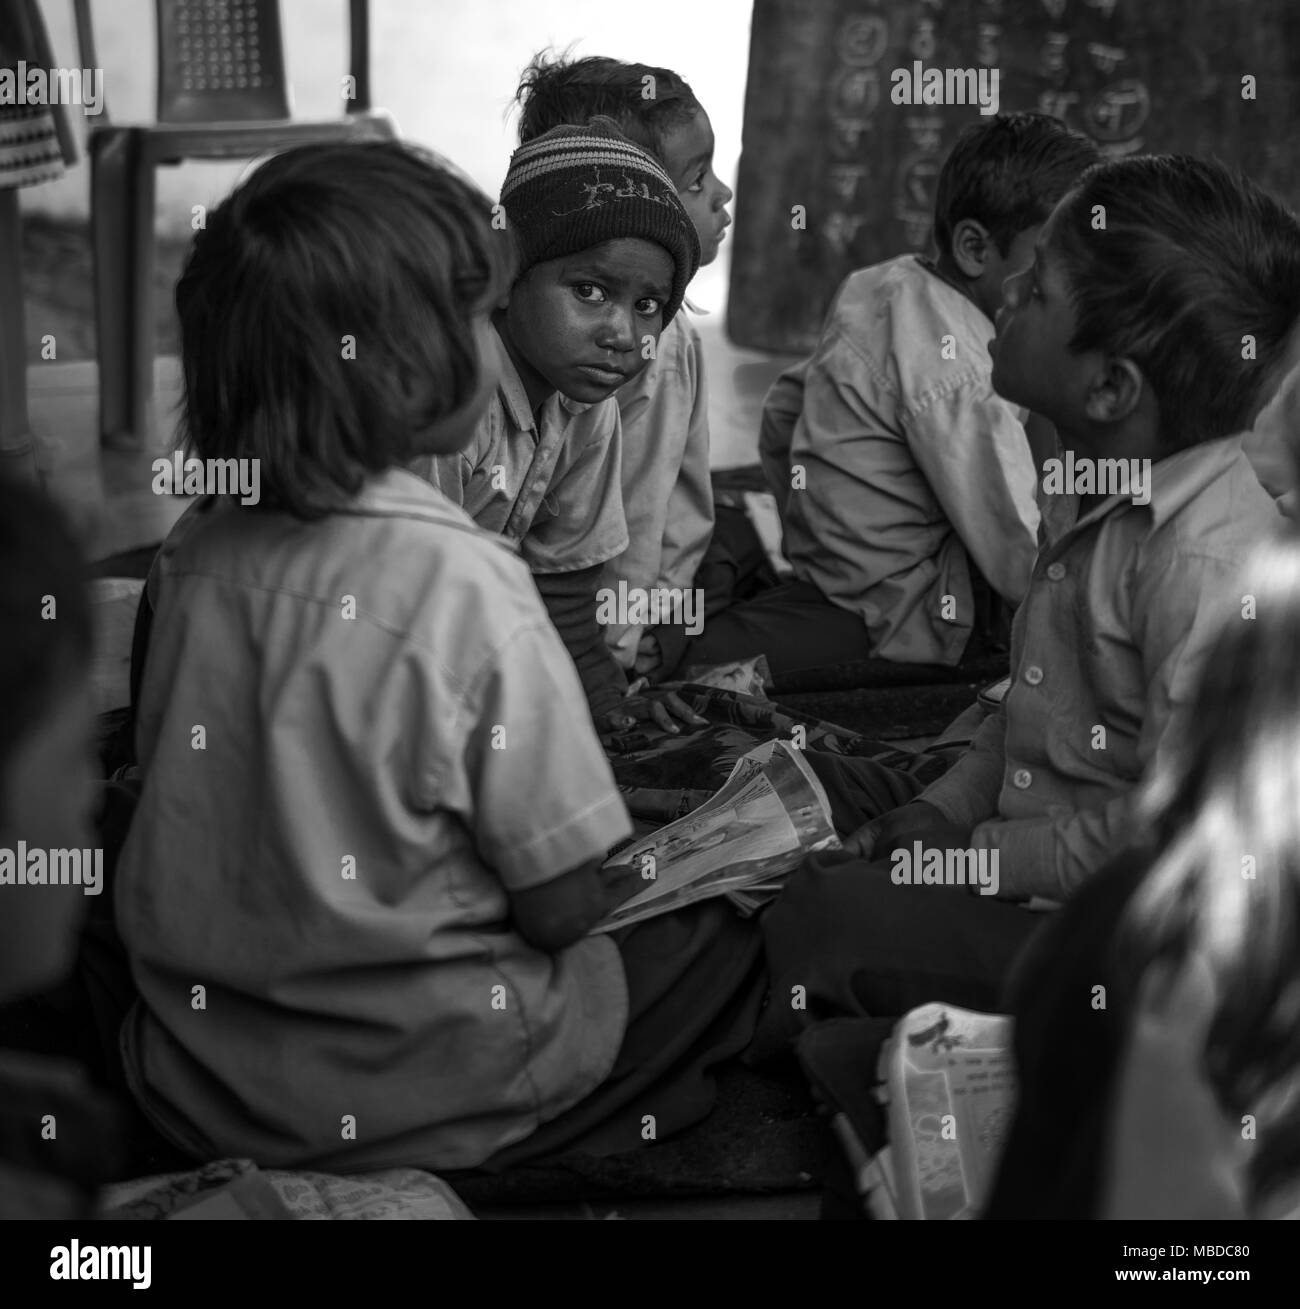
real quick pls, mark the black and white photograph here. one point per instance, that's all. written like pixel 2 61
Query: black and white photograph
pixel 683 611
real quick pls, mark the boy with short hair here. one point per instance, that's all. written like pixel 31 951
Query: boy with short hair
pixel 1127 591
pixel 906 484
pixel 605 252
pixel 667 491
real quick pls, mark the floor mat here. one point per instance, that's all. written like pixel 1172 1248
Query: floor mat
pixel 764 1136
pixel 888 713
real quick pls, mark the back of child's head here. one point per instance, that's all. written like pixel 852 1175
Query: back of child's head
pixel 327 312
pixel 1224 891
pixel 646 102
pixel 1008 173
pixel 1192 271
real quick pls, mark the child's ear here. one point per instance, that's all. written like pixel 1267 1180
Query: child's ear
pixel 971 247
pixel 1115 390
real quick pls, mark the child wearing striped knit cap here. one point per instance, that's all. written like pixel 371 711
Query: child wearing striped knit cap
pixel 605 251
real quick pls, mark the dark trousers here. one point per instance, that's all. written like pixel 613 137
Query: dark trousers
pixel 803 635
pixel 695 981
pixel 842 940
pixel 735 568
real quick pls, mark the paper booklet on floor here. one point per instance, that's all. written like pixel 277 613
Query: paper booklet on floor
pixel 948 1081
pixel 740 843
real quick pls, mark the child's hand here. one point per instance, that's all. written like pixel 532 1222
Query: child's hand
pixel 661 707
pixel 874 840
pixel 648 654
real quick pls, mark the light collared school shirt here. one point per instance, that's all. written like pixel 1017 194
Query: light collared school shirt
pixel 912 464
pixel 667 492
pixel 393 738
pixel 551 483
pixel 1106 653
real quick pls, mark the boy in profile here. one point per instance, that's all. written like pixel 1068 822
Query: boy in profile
pixel 1127 593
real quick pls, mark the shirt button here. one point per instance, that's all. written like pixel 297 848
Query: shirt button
pixel 1033 674
pixel 1022 779
pixel 1056 571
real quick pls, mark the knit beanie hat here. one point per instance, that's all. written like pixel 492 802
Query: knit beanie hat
pixel 575 187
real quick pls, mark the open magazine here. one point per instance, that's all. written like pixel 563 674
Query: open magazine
pixel 741 842
pixel 949 1081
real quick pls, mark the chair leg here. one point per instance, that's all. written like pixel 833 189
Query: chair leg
pixel 111 237
pixel 140 367
pixel 17 451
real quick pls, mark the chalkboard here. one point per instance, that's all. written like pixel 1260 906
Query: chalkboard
pixel 823 131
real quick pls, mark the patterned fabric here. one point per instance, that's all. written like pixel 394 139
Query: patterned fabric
pixel 399 1193
pixel 35 139
pixel 576 187
pixel 699 762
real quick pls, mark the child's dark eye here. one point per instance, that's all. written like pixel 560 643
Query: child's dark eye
pixel 589 293
pixel 698 184
pixel 649 305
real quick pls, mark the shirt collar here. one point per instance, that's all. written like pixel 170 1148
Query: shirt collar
pixel 399 493
pixel 1176 481
pixel 514 398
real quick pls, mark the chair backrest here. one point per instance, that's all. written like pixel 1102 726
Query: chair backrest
pixel 206 48
pixel 220 61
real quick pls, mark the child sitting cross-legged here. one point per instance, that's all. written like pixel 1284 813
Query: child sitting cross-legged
pixel 358 887
pixel 664 410
pixel 605 252
pixel 905 481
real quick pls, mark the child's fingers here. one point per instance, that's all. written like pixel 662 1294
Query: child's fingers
pixel 683 710
pixel 662 717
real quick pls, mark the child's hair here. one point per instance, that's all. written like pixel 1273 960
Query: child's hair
pixel 1225 885
pixel 563 90
pixel 1178 264
pixel 326 313
pixel 44 613
pixel 1008 173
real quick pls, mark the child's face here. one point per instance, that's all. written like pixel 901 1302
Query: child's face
pixel 688 160
pixel 1032 364
pixel 453 431
pixel 989 288
pixel 46 800
pixel 578 324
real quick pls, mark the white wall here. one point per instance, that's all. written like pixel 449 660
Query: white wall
pixel 446 69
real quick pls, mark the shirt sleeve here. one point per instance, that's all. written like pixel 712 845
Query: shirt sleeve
pixel 974 453
pixel 1179 608
pixel 448 473
pixel 667 491
pixel 781 408
pixel 688 525
pixel 545 800
pixel 581 522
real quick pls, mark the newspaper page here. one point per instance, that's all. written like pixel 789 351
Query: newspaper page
pixel 768 814
pixel 950 1079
